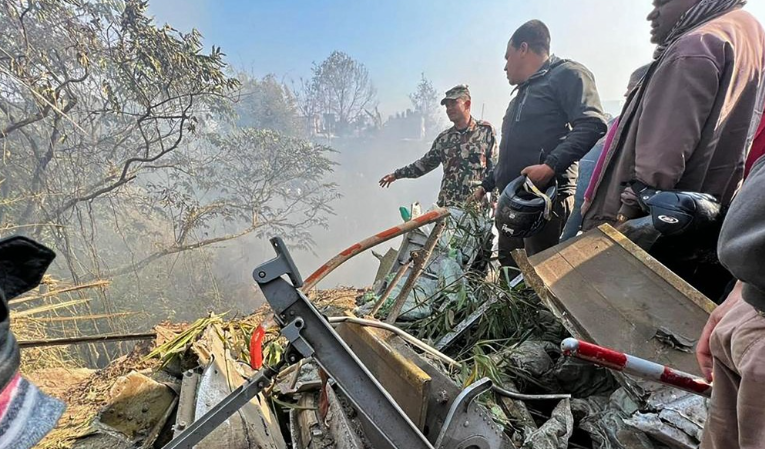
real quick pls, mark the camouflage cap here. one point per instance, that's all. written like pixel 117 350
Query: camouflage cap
pixel 460 91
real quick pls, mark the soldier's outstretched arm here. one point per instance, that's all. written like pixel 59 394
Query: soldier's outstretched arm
pixel 424 165
pixel 387 180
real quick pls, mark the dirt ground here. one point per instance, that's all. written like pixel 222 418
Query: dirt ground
pixel 85 392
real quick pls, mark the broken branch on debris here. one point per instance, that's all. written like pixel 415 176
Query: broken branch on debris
pixel 48 308
pixel 458 330
pixel 419 258
pixel 98 316
pixel 389 289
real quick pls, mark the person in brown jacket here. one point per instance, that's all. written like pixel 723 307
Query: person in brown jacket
pixel 688 125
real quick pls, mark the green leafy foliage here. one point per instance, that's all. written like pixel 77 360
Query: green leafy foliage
pixel 126 143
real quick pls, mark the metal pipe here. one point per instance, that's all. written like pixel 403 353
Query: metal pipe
pixel 635 366
pixel 370 242
pixel 529 397
pixel 389 327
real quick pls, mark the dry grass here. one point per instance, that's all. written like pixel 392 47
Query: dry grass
pixel 33 359
pixel 58 310
pixel 336 301
pixel 86 396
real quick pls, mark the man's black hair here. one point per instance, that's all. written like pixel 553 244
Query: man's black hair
pixel 536 35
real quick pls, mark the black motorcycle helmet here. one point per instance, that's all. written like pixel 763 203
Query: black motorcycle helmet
pixel 523 210
pixel 676 212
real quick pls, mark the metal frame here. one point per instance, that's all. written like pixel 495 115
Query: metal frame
pixel 312 336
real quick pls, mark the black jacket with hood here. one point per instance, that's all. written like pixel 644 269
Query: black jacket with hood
pixel 555 118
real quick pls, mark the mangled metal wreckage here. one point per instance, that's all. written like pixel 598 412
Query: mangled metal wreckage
pixel 353 386
pixel 445 418
pixel 390 396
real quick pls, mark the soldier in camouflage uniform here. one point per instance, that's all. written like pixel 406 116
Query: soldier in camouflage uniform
pixel 468 151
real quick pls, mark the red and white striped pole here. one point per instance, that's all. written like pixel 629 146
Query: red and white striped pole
pixel 635 366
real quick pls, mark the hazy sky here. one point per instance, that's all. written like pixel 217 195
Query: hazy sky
pixel 451 42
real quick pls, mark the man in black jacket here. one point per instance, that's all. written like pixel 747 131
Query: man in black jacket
pixel 555 119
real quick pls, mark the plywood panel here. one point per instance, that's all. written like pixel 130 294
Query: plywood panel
pixel 612 293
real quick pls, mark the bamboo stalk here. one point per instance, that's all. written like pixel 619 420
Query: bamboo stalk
pixel 48 308
pixel 81 317
pixel 88 339
pixel 419 258
pixel 58 292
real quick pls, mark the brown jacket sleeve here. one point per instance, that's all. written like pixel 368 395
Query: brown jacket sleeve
pixel 678 102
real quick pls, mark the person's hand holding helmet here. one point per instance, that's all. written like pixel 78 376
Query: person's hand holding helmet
pixel 540 174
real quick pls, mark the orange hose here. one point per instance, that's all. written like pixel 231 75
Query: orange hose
pixel 370 242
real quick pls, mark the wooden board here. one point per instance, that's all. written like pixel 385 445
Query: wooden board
pixel 408 384
pixel 610 292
